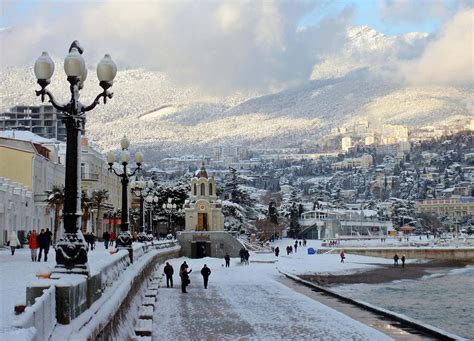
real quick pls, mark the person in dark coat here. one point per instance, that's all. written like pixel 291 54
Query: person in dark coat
pixel 242 255
pixel 43 242
pixel 205 272
pixel 395 260
pixel 227 260
pixel 50 236
pixel 184 274
pixel 296 245
pixel 169 271
pixel 106 238
pixel 246 256
pixel 277 251
pixel 403 261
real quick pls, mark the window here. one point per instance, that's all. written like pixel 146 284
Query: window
pixel 195 189
pixel 203 189
pixel 210 189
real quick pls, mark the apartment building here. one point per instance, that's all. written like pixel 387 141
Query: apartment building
pixel 43 120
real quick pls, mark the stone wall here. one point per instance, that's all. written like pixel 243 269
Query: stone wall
pixel 447 254
pixel 221 243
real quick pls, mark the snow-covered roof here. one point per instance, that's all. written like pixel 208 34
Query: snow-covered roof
pixel 24 135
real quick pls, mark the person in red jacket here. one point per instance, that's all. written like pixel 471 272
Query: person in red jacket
pixel 112 238
pixel 33 244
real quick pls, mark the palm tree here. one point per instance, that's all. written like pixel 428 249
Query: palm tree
pixel 97 198
pixel 85 206
pixel 55 200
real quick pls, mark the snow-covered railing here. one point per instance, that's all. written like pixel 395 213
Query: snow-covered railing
pixel 41 315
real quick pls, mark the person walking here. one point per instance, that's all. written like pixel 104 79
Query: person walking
pixel 169 271
pixel 184 274
pixel 227 260
pixel 343 256
pixel 106 238
pixel 246 256
pixel 403 261
pixel 112 238
pixel 13 242
pixel 205 272
pixel 395 260
pixel 277 251
pixel 50 236
pixel 33 244
pixel 296 246
pixel 242 255
pixel 43 242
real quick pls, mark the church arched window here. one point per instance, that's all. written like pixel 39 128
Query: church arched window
pixel 210 189
pixel 195 189
pixel 203 189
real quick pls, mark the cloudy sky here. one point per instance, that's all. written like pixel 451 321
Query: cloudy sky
pixel 239 44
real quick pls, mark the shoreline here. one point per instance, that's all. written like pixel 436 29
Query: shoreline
pixel 384 273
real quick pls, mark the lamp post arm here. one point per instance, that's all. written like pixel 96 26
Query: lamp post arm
pixel 43 92
pixel 105 94
pixel 111 169
pixel 135 171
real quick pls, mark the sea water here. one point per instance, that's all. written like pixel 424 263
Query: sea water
pixel 444 299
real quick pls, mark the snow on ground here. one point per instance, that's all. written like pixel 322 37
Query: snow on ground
pixel 248 302
pixel 18 271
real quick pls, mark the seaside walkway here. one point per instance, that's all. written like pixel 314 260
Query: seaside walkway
pixel 247 302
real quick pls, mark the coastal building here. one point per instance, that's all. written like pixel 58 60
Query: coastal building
pixel 329 224
pixel 456 207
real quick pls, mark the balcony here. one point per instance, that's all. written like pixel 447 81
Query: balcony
pixel 89 177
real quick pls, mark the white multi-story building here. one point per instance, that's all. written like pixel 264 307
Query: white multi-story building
pixel 346 143
pixel 30 168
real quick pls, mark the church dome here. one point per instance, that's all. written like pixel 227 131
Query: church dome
pixel 201 173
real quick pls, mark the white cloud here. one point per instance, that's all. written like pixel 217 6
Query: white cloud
pixel 220 46
pixel 449 58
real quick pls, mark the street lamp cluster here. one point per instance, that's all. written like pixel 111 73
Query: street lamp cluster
pixel 124 239
pixel 143 189
pixel 170 209
pixel 71 251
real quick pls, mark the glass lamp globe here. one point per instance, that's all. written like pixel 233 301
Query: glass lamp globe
pixel 133 184
pixel 125 156
pixel 110 157
pixel 74 64
pixel 164 206
pixel 139 158
pixel 106 69
pixel 124 142
pixel 44 67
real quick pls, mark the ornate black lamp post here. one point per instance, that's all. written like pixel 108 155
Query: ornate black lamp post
pixel 170 209
pixel 71 252
pixel 152 202
pixel 124 239
pixel 142 189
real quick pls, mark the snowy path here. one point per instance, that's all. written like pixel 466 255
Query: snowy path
pixel 247 302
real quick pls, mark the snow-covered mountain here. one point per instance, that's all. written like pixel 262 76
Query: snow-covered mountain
pixel 164 118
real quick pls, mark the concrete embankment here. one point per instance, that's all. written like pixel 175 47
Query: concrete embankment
pixel 397 326
pixel 463 254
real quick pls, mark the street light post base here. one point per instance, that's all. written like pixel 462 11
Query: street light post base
pixel 71 255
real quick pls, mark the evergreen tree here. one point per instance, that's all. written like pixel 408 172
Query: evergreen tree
pixel 273 212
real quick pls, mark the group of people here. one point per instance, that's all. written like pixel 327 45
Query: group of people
pixel 396 258
pixel 244 256
pixel 184 275
pixel 41 241
pixel 107 237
